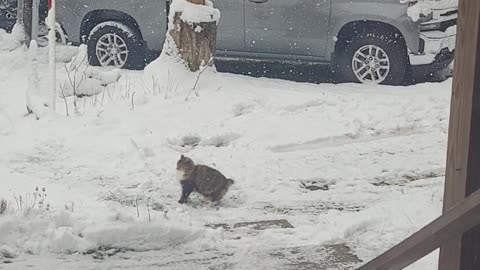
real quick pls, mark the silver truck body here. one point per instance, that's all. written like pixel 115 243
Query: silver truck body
pixel 278 30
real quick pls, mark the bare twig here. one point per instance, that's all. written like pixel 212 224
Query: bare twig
pixel 136 204
pixel 148 209
pixel 3 207
pixel 62 88
pixel 133 103
pixel 113 194
pixel 198 79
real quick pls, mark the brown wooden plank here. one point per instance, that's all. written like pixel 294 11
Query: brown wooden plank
pixel 462 176
pixel 470 257
pixel 457 220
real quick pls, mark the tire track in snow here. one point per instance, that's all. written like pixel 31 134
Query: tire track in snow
pixel 336 141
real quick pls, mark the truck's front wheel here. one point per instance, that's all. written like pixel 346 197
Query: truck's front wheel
pixel 372 58
pixel 115 44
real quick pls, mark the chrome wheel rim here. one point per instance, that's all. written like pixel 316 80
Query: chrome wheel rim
pixel 112 50
pixel 371 64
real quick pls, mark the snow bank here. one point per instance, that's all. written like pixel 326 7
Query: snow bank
pixel 36 104
pixel 141 237
pixel 83 79
pixel 8 42
pixel 36 231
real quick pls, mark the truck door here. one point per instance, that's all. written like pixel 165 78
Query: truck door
pixel 292 27
pixel 231 28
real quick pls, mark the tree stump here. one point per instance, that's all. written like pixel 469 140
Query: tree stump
pixel 195 42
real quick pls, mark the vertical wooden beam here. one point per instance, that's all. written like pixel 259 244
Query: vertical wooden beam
pixel 463 158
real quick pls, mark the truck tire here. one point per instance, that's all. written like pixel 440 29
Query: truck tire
pixel 115 44
pixel 372 57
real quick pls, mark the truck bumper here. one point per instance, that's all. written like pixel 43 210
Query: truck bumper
pixel 435 47
pixel 441 62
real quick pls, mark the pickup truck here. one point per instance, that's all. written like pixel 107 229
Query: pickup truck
pixel 366 41
pixel 8 14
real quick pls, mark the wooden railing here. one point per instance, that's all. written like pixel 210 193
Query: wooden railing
pixel 453 223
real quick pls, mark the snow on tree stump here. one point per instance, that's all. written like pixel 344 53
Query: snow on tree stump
pixel 197 2
pixel 194 31
pixel 185 64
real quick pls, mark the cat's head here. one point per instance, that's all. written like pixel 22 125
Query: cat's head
pixel 185 167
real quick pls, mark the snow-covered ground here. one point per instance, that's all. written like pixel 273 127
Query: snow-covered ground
pixel 376 154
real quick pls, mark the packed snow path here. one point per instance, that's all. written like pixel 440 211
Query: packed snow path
pixel 346 165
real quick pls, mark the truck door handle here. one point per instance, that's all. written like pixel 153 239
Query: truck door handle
pixel 258 1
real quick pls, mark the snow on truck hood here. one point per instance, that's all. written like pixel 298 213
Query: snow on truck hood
pixel 435 8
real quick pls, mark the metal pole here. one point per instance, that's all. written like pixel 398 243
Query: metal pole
pixel 20 12
pixel 35 19
pixel 51 52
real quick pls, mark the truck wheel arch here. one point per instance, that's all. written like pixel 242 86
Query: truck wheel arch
pixel 95 17
pixel 349 30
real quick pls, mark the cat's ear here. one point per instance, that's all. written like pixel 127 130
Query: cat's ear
pixel 182 156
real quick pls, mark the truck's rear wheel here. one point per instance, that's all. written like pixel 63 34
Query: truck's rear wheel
pixel 115 44
pixel 372 58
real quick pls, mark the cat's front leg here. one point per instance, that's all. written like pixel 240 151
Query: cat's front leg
pixel 187 189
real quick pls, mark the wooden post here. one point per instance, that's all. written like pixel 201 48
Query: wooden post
pixel 463 158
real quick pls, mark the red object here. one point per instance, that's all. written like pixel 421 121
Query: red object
pixel 49 4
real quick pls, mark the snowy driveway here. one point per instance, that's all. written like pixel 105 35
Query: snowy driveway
pixel 349 165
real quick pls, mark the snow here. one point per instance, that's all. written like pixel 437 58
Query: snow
pixel 424 8
pixel 38 231
pixel 169 74
pixel 8 42
pixel 83 79
pixel 114 24
pixel 193 13
pixel 109 169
